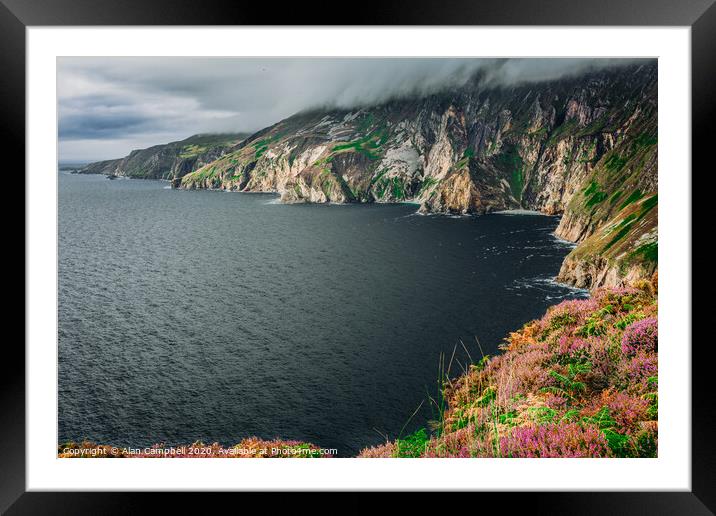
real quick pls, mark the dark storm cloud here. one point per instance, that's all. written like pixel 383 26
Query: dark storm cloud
pixel 117 115
pixel 101 126
pixel 107 105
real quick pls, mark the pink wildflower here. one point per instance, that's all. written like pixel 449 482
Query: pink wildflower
pixel 561 440
pixel 641 335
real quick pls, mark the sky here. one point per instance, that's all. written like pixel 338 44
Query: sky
pixel 110 106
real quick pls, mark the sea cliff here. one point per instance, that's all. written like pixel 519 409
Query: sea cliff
pixel 584 147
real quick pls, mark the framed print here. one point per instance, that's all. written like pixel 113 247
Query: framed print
pixel 423 250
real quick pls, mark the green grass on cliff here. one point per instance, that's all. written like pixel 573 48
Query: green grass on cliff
pixel 367 145
pixel 615 202
pixel 427 184
pixel 392 187
pixel 623 227
pixel 615 162
pixel 201 143
pixel 191 151
pixel 561 131
pixel 511 163
pixel 648 252
pixel 626 241
pixel 645 139
pixel 633 197
pixel 260 147
pixel 464 159
pixel 593 194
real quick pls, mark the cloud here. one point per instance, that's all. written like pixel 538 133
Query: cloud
pixel 106 104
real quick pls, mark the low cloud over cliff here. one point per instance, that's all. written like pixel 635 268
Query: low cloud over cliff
pixel 109 106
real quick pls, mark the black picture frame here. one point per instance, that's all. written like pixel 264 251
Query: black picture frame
pixel 17 15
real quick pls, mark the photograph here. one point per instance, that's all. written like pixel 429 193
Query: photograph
pixel 435 246
pixel 357 257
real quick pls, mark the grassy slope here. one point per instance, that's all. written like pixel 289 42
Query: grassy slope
pixel 201 143
pixel 580 382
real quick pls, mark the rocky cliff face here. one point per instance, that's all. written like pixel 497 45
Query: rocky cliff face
pixel 168 161
pixel 584 147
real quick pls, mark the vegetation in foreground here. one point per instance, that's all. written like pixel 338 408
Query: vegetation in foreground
pixel 580 382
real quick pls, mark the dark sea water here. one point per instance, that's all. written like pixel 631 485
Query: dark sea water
pixel 212 316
